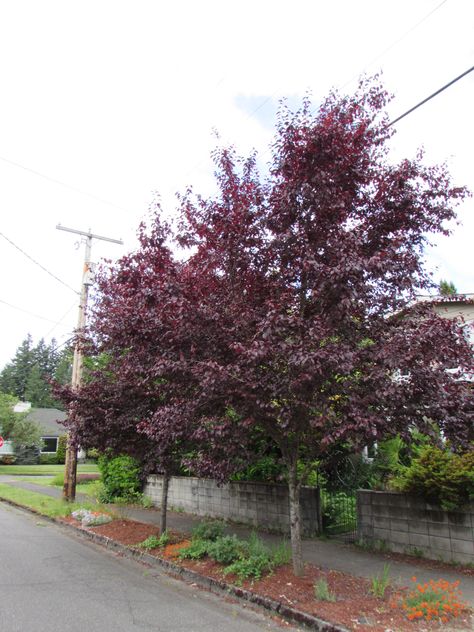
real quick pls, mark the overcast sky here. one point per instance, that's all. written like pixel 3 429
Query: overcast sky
pixel 118 100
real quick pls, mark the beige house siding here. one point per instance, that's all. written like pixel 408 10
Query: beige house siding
pixel 455 310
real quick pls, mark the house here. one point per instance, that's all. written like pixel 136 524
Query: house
pixel 455 306
pixel 49 420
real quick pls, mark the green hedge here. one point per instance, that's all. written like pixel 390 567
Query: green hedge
pixel 441 477
pixel 120 478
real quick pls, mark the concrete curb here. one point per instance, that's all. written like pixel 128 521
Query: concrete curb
pixel 219 587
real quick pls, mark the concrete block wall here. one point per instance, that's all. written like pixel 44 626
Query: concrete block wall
pixel 410 525
pixel 256 504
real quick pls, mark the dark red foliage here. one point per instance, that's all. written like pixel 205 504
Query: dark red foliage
pixel 290 312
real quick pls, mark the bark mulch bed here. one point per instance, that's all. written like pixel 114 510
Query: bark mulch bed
pixel 355 608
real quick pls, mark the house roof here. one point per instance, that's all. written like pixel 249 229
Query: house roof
pixel 463 299
pixel 50 420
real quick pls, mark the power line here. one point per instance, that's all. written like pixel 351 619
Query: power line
pixel 20 309
pixel 415 107
pixel 37 263
pixel 60 320
pixel 393 44
pixel 64 184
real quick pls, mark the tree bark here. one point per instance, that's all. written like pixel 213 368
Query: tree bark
pixel 164 502
pixel 295 519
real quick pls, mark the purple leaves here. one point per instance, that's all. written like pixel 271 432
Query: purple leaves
pixel 283 312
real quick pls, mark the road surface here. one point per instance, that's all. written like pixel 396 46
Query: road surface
pixel 52 581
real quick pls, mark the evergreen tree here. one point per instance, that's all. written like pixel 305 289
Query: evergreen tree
pixel 447 288
pixel 27 376
pixel 14 377
pixel 38 390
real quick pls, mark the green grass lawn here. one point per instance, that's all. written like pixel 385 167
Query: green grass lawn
pixel 88 489
pixel 46 470
pixel 45 505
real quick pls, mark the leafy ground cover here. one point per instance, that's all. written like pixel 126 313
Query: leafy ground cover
pixel 44 470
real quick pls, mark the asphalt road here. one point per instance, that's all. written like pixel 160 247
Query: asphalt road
pixel 53 581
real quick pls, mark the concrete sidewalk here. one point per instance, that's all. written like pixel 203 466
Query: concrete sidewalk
pixel 328 554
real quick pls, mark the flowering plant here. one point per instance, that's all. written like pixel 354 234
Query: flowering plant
pixel 432 601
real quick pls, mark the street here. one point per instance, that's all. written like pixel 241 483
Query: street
pixel 53 581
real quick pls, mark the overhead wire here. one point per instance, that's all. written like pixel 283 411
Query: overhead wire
pixel 20 309
pixel 201 162
pixel 372 61
pixel 60 320
pixel 434 94
pixel 64 184
pixel 249 115
pixel 37 263
pixel 393 44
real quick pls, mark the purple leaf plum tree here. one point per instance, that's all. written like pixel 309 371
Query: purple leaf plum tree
pixel 290 311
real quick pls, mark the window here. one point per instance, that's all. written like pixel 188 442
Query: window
pixel 50 444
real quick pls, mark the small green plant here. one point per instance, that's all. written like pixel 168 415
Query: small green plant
pixel 281 554
pixel 146 502
pixel 322 592
pixel 196 550
pixel 381 582
pixel 208 530
pixel 155 542
pixel 252 567
pixel 416 552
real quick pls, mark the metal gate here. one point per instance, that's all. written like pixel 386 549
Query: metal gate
pixel 339 514
pixel 343 476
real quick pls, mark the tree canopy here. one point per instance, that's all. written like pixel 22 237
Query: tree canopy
pixel 289 313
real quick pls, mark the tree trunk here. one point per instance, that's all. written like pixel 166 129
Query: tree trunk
pixel 295 519
pixel 164 502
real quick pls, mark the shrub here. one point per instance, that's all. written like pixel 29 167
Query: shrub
pixel 247 559
pixel 61 450
pixel 226 549
pixel 120 478
pixel 208 530
pixel 256 559
pixel 47 459
pixel 92 454
pixel 440 476
pixel 267 468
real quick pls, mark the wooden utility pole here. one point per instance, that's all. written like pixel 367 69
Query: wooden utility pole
pixel 70 470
